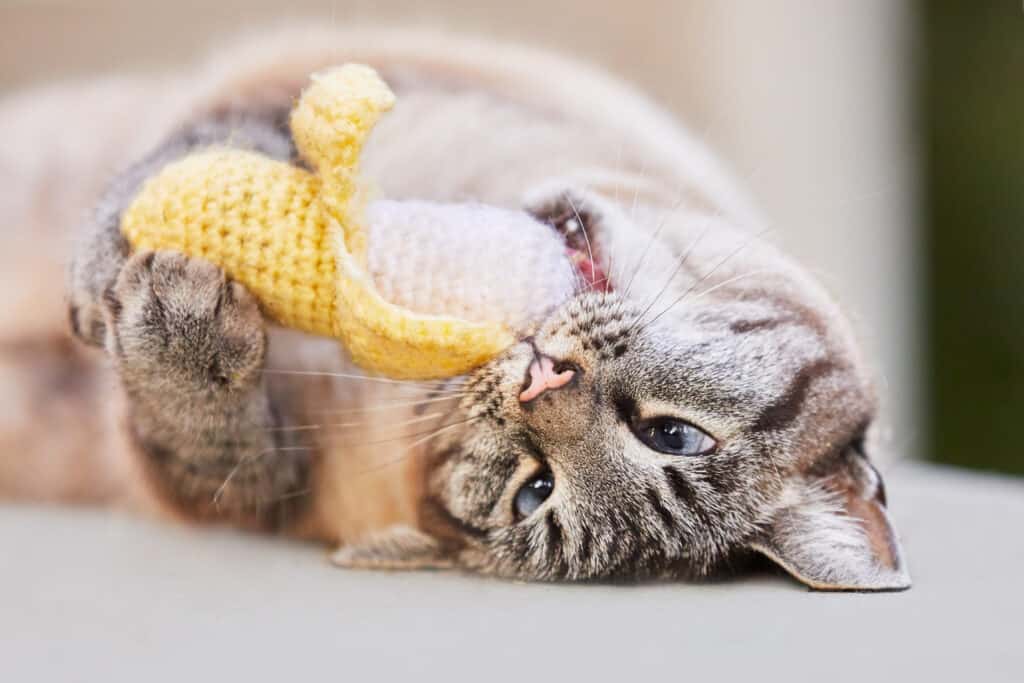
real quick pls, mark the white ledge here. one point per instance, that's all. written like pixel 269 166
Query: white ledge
pixel 87 595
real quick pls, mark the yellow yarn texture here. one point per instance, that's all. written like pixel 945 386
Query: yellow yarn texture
pixel 297 240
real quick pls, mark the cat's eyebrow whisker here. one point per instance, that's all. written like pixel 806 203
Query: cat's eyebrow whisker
pixel 724 283
pixel 642 172
pixel 619 167
pixel 746 243
pixel 728 257
pixel 680 263
pixel 709 290
pixel 681 198
pixel 651 241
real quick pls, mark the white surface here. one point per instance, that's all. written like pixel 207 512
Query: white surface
pixel 90 596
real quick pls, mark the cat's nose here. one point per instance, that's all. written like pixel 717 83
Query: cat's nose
pixel 545 374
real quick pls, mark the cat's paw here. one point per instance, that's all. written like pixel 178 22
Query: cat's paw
pixel 87 319
pixel 182 323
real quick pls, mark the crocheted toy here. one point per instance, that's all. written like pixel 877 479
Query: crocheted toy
pixel 413 289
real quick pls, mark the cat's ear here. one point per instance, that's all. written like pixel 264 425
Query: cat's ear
pixel 397 547
pixel 833 532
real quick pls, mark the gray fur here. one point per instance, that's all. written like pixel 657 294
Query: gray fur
pixel 101 249
pixel 759 363
pixel 752 363
pixel 189 347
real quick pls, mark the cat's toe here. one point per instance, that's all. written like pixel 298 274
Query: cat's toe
pixel 86 319
pixel 184 318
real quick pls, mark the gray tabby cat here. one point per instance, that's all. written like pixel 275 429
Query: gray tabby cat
pixel 709 406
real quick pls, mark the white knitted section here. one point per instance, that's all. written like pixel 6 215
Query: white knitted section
pixel 470 261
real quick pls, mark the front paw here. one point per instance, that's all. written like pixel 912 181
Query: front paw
pixel 181 321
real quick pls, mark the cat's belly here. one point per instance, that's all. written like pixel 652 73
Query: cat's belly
pixel 366 435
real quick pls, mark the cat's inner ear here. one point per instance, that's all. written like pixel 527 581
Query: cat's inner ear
pixel 397 547
pixel 833 532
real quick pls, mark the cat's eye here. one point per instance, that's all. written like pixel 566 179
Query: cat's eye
pixel 532 494
pixel 674 437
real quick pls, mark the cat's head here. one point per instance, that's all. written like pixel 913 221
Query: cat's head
pixel 631 439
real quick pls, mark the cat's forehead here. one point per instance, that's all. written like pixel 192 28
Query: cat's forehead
pixel 726 347
pixel 753 360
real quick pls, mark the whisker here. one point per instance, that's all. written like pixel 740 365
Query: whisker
pixel 709 290
pixel 394 404
pixel 651 241
pixel 245 460
pixel 414 444
pixel 641 179
pixel 610 270
pixel 392 439
pixel 433 386
pixel 747 242
pixel 369 409
pixel 620 168
pixel 440 431
pixel 724 283
pixel 679 266
pixel 358 423
pixel 402 423
pixel 579 284
pixel 219 493
pixel 583 227
pixel 287 496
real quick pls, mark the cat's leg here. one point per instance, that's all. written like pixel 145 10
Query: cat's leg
pixel 101 250
pixel 189 346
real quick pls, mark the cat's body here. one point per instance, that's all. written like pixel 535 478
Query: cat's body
pixel 705 324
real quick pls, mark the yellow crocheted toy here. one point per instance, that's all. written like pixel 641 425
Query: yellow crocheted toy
pixel 298 239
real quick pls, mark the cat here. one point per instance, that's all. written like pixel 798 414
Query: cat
pixel 702 403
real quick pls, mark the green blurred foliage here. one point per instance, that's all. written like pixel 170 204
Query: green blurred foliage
pixel 972 112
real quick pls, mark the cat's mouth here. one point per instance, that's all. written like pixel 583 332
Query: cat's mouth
pixel 589 269
pixel 582 249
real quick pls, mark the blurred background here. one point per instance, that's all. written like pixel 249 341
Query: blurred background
pixel 883 139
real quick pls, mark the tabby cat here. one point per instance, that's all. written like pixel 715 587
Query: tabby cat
pixel 698 402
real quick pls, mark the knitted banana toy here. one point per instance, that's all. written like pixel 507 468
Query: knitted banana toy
pixel 414 290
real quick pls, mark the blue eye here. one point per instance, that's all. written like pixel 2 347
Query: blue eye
pixel 532 494
pixel 674 437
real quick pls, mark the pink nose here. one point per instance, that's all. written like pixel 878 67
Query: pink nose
pixel 544 377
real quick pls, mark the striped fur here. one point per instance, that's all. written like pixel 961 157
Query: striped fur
pixel 705 322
